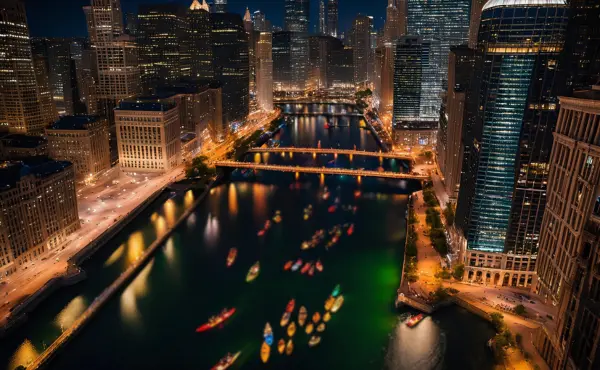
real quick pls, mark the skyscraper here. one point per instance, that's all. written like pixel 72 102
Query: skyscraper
pixel 410 56
pixel 264 71
pixel 395 26
pixel 569 253
pixel 476 6
pixel 131 24
pixel 504 187
pixel 261 24
pixel 322 18
pixel 296 17
pixel 220 6
pixel 163 51
pixel 361 43
pixel 230 61
pixel 332 18
pixel 40 67
pixel 20 108
pixel 199 41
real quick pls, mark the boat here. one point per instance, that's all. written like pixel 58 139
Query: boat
pixel 311 272
pixel 290 306
pixel 305 268
pixel 302 316
pixel 331 209
pixel 268 334
pixel 321 327
pixel 309 328
pixel 216 320
pixel 265 352
pixel 337 304
pixel 226 361
pixel 289 348
pixel 326 195
pixel 297 265
pixel 326 317
pixel 285 319
pixel 306 216
pixel 267 224
pixel 281 346
pixel 327 127
pixel 329 303
pixel 316 317
pixel 261 232
pixel 277 217
pixel 305 245
pixel 253 272
pixel 314 340
pixel 414 320
pixel 231 256
pixel 350 230
pixel 291 330
pixel 319 266
pixel 336 291
pixel 288 265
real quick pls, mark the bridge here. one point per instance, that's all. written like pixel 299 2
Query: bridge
pixel 348 152
pixel 327 114
pixel 320 170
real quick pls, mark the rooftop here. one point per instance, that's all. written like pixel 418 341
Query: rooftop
pixel 22 140
pixel 147 103
pixel 591 94
pixel 11 172
pixel 186 87
pixel 522 3
pixel 73 122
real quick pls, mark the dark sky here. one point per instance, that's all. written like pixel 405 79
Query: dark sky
pixel 64 18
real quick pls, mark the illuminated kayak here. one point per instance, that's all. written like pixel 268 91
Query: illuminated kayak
pixel 290 306
pixel 326 317
pixel 288 265
pixel 336 291
pixel 268 334
pixel 311 272
pixel 314 340
pixel 281 346
pixel 253 272
pixel 316 317
pixel 305 245
pixel 216 320
pixel 289 348
pixel 267 225
pixel 226 361
pixel 309 328
pixel 350 230
pixel 337 304
pixel 297 265
pixel 285 319
pixel 291 330
pixel 302 314
pixel 305 268
pixel 331 209
pixel 261 232
pixel 277 217
pixel 321 327
pixel 265 352
pixel 414 320
pixel 329 303
pixel 319 266
pixel 231 256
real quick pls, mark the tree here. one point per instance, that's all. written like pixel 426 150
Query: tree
pixel 520 310
pixel 497 321
pixel 449 214
pixel 459 271
pixel 199 168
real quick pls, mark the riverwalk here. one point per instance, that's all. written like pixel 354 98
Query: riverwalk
pixel 111 290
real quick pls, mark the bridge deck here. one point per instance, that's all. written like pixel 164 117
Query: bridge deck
pixel 330 151
pixel 319 170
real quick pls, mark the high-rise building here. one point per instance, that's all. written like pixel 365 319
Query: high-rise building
pixel 230 62
pixel 19 146
pixel 199 41
pixel 411 53
pixel 476 6
pixel 88 79
pixel 340 68
pixel 38 210
pixel 569 253
pixel 220 6
pixel 252 40
pixel 442 23
pixel 20 108
pixel 264 71
pixel 83 141
pixel 361 43
pixel 40 67
pixel 460 67
pixel 290 62
pixel 322 18
pixel 163 53
pixel 297 15
pixel 395 25
pixel 148 135
pixel 502 191
pixel 319 53
pixel 261 24
pixel 131 24
pixel 332 18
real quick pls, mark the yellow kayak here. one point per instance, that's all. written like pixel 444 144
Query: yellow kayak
pixel 314 340
pixel 329 303
pixel 316 317
pixel 265 351
pixel 291 330
pixel 302 316
pixel 289 348
pixel 281 346
pixel 327 316
pixel 338 303
pixel 321 327
pixel 309 328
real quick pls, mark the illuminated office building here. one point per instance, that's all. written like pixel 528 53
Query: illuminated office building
pixel 361 44
pixel 264 71
pixel 199 43
pixel 332 18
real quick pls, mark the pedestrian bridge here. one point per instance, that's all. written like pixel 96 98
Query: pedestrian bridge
pixel 320 170
pixel 327 114
pixel 348 152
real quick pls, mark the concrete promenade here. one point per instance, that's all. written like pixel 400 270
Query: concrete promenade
pixel 45 358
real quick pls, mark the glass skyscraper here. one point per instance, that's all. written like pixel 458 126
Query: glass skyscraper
pixel 517 60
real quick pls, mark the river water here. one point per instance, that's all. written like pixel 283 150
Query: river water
pixel 151 324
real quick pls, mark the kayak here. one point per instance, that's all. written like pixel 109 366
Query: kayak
pixel 321 327
pixel 267 224
pixel 261 232
pixel 309 328
pixel 329 303
pixel 265 352
pixel 285 319
pixel 319 266
pixel 288 265
pixel 316 317
pixel 290 306
pixel 289 348
pixel 311 272
pixel 305 268
pixel 302 316
pixel 338 303
pixel 336 291
pixel 297 264
pixel 291 330
pixel 281 346
pixel 231 256
pixel 305 245
pixel 331 209
pixel 314 340
pixel 226 361
pixel 350 230
pixel 268 334
pixel 326 317
pixel 253 272
pixel 216 320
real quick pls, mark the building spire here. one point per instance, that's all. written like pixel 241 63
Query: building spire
pixel 247 16
pixel 391 3
pixel 197 6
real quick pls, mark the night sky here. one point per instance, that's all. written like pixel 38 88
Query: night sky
pixel 64 18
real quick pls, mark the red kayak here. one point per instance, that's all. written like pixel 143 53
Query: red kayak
pixel 288 265
pixel 261 232
pixel 331 209
pixel 305 268
pixel 216 320
pixel 351 229
pixel 290 306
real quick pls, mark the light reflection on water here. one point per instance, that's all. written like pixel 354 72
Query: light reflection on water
pixel 25 354
pixel 188 199
pixel 136 290
pixel 259 201
pixel 422 347
pixel 170 212
pixel 211 231
pixel 232 201
pixel 115 256
pixel 169 249
pixel 71 312
pixel 135 246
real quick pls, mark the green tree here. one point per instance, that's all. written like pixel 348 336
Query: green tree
pixel 459 271
pixel 497 321
pixel 449 214
pixel 520 310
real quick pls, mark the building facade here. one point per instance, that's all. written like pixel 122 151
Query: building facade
pixel 19 146
pixel 148 135
pixel 264 71
pixel 569 255
pixel 332 18
pixel 38 210
pixel 199 41
pixel 48 108
pixel 83 141
pixel 361 43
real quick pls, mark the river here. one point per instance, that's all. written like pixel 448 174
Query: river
pixel 151 324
